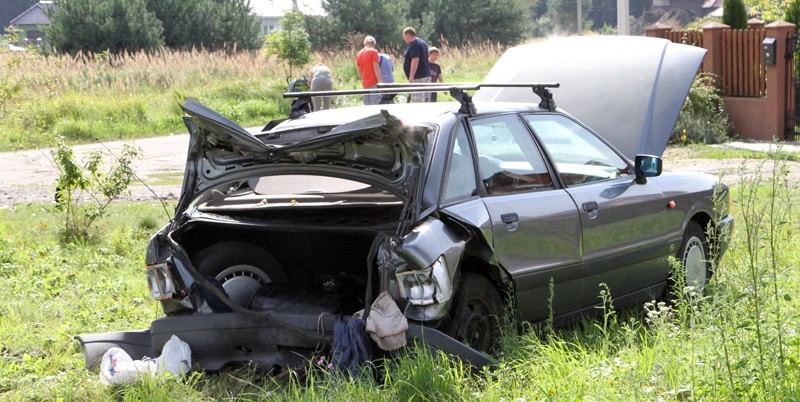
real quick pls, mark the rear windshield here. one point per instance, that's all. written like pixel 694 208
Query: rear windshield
pixel 293 190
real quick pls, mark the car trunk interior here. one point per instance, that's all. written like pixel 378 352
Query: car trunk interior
pixel 326 267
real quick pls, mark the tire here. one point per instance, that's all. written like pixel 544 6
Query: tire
pixel 476 315
pixel 240 267
pixel 694 259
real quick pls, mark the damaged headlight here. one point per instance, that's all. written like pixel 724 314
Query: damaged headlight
pixel 425 286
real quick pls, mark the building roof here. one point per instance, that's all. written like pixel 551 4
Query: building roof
pixel 35 15
pixel 10 9
pixel 712 4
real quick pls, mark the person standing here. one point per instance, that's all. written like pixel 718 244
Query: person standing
pixel 436 71
pixel 387 68
pixel 369 69
pixel 321 80
pixel 415 63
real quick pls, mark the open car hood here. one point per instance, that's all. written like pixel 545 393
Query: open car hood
pixel 627 89
pixel 376 149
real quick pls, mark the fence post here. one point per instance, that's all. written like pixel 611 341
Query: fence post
pixel 755 23
pixel 657 30
pixel 777 81
pixel 712 41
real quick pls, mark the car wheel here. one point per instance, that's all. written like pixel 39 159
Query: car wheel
pixel 694 258
pixel 242 268
pixel 476 314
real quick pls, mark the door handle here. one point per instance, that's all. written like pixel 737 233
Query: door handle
pixel 509 218
pixel 590 206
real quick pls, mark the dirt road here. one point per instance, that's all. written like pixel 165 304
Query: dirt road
pixel 29 176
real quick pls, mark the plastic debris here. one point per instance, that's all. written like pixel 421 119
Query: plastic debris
pixel 117 366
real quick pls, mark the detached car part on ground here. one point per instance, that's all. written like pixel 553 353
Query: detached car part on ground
pixel 452 209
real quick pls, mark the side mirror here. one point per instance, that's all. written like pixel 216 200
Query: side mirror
pixel 647 166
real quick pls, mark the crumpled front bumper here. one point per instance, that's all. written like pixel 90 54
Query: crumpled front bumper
pixel 221 339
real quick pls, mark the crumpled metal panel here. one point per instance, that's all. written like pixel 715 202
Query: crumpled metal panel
pixel 627 89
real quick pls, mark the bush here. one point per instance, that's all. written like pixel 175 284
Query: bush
pixel 84 193
pixel 703 118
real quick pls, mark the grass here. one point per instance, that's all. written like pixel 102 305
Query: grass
pixel 86 99
pixel 701 151
pixel 740 341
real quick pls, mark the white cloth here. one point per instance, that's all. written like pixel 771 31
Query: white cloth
pixel 386 324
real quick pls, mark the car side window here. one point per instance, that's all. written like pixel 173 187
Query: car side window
pixel 580 156
pixel 508 159
pixel 460 179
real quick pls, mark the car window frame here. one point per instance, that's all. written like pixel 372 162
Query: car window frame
pixel 482 191
pixel 552 160
pixel 460 123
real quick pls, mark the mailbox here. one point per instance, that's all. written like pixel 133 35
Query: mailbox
pixel 768 47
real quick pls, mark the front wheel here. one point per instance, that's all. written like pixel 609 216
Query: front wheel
pixel 476 315
pixel 694 259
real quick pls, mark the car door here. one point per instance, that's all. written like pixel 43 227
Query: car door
pixel 625 225
pixel 535 224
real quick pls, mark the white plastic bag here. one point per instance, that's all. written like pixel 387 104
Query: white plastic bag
pixel 176 357
pixel 117 366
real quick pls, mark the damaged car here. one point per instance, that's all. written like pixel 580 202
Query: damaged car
pixel 454 212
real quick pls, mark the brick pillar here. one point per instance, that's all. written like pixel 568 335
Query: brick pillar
pixel 712 41
pixel 657 30
pixel 777 81
pixel 755 23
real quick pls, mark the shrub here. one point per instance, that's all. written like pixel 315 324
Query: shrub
pixel 734 14
pixel 703 118
pixel 84 193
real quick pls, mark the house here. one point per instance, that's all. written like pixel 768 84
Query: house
pixel 10 9
pixel 271 11
pixel 699 7
pixel 32 21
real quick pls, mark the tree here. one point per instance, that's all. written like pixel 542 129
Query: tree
pixel 562 15
pixel 212 24
pixel 459 22
pixel 793 13
pixel 103 25
pixel 290 43
pixel 478 21
pixel 734 14
pixel 382 19
pixel 770 10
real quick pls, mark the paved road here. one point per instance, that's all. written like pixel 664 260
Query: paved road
pixel 29 176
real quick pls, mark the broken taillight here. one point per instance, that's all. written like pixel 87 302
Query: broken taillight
pixel 159 280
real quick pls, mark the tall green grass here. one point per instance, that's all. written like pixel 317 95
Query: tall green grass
pixel 88 98
pixel 740 341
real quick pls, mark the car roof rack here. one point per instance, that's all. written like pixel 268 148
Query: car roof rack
pixel 302 102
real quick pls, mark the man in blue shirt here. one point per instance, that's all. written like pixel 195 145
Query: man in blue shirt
pixel 415 63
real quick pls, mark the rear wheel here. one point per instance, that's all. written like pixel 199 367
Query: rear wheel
pixel 476 315
pixel 242 268
pixel 694 258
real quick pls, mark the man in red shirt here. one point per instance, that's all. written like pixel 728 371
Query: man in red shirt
pixel 369 69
